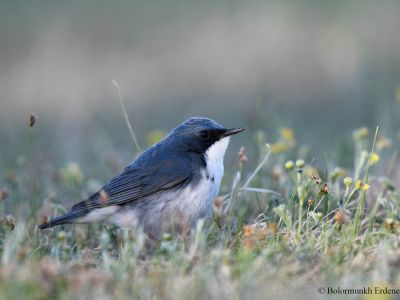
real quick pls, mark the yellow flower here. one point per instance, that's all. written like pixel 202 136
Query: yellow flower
pixel 383 143
pixel 374 158
pixel 279 148
pixel 287 134
pixel 359 185
pixel 361 133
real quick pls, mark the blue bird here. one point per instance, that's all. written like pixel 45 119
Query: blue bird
pixel 174 182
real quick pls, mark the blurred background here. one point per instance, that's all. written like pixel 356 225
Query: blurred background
pixel 322 69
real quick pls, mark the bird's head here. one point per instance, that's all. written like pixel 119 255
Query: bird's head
pixel 203 135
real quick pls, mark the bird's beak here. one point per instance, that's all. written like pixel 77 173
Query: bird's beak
pixel 232 131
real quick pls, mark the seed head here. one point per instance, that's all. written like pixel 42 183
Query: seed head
pixel 32 120
pixel 340 217
pixel 277 173
pixel 242 155
pixel 316 178
pixel 324 190
pixel 10 222
pixel 389 224
pixel 44 219
pixel 218 202
pixel 3 194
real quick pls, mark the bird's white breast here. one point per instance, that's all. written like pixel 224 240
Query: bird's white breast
pixel 214 157
pixel 197 201
pixel 215 165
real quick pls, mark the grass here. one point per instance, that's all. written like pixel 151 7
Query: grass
pixel 285 229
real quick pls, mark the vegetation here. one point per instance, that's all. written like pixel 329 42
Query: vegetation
pixel 285 228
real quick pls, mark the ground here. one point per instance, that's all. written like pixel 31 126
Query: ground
pixel 284 228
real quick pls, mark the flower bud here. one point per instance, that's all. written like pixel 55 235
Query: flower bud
pixel 289 165
pixel 61 236
pixel 300 163
pixel 347 181
pixel 374 158
pixel 361 133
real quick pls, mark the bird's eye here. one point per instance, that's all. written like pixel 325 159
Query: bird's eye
pixel 204 135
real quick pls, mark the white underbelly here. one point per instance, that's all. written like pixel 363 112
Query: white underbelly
pixel 197 201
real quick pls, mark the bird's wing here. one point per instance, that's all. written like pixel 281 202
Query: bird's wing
pixel 138 181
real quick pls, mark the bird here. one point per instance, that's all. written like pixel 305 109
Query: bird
pixel 174 182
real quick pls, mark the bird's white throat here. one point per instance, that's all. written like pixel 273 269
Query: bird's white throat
pixel 214 157
pixel 217 150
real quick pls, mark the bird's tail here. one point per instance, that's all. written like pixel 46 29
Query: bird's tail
pixel 68 218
